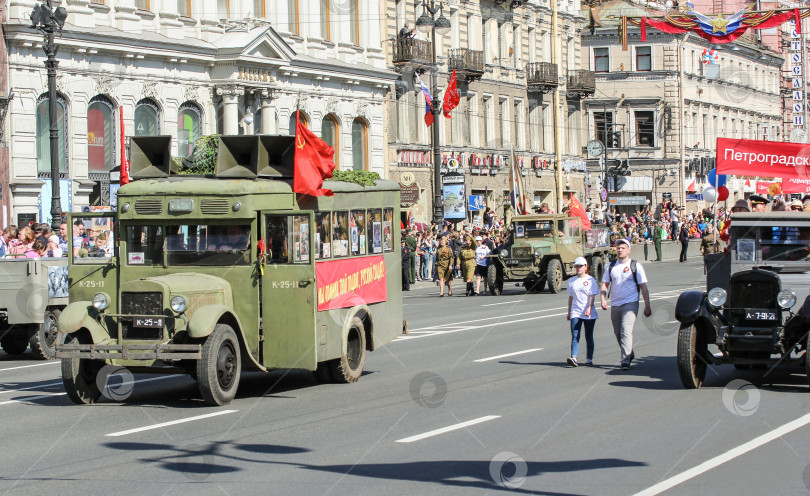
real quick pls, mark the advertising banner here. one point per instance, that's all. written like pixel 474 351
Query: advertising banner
pixel 763 158
pixel 765 187
pixel 454 201
pixel 350 282
pixel 795 185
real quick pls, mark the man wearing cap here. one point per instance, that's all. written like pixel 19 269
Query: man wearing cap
pixel 481 262
pixel 758 203
pixel 627 279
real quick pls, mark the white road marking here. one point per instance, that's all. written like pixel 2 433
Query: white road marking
pixel 507 355
pixel 31 398
pixel 41 386
pixel 727 456
pixel 502 303
pixel 28 366
pixel 173 422
pixel 447 429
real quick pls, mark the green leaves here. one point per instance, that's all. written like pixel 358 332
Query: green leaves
pixel 362 177
pixel 203 159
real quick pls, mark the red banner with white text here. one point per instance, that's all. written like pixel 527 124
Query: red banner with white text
pixel 763 158
pixel 796 185
pixel 350 282
pixel 764 187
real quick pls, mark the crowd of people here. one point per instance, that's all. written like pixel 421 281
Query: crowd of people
pixel 38 240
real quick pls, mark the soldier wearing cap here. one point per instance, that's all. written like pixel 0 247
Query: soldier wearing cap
pixel 758 203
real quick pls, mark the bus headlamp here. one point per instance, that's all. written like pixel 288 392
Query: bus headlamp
pixel 179 304
pixel 101 301
pixel 786 299
pixel 717 297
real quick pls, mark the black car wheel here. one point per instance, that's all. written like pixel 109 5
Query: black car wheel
pixel 45 338
pixel 692 351
pixel 14 341
pixel 220 367
pixel 349 367
pixel 80 377
pixel 494 280
pixel 554 275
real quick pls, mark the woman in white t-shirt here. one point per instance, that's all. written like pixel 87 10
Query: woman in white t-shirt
pixel 581 293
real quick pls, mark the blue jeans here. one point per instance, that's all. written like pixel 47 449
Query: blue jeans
pixel 576 326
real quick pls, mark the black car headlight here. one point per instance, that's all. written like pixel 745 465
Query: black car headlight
pixel 717 297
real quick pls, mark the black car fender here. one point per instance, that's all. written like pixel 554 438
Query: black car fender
pixel 804 312
pixel 692 306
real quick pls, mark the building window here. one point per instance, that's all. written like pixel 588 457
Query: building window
pixel 359 145
pixel 643 58
pixel 329 133
pixel 147 118
pixel 43 136
pixel 224 9
pixel 184 8
pixel 354 22
pixel 189 128
pixel 292 10
pixel 100 135
pixel 602 125
pixel 645 128
pixel 601 60
pixel 259 9
pixel 517 136
pixel 326 13
pixel 142 4
pixel 303 118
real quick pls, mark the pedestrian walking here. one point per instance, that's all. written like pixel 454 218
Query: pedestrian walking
pixel 582 291
pixel 406 265
pixel 444 266
pixel 626 279
pixel 683 237
pixel 467 262
pixel 481 263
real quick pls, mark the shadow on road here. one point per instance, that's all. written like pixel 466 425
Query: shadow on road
pixel 200 461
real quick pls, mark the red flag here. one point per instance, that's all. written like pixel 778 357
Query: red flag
pixel 747 182
pixel 124 174
pixel 575 209
pixel 692 187
pixel 451 97
pixel 643 27
pixel 798 16
pixel 313 162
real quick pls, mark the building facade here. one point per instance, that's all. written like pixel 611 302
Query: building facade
pixel 512 64
pixel 661 105
pixel 188 69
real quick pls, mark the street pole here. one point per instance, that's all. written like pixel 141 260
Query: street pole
pixel 555 55
pixel 51 64
pixel 438 213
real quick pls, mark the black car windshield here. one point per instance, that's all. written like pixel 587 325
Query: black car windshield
pixel 785 243
pixel 188 244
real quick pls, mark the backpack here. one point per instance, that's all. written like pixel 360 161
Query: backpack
pixel 633 266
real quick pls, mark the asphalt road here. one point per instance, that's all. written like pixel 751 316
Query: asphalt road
pixel 476 399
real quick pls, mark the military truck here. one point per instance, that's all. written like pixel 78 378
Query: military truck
pixel 33 292
pixel 748 316
pixel 218 274
pixel 543 250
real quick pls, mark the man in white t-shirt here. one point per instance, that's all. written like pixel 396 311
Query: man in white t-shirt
pixel 627 279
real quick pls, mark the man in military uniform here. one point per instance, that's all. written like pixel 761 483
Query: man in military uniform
pixel 410 240
pixel 657 237
pixel 758 203
pixel 709 244
pixel 406 265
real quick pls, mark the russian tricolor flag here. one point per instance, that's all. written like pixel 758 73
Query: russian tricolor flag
pixel 428 102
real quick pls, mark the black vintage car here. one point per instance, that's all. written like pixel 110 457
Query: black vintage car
pixel 749 315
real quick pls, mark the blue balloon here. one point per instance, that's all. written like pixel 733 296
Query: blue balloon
pixel 715 179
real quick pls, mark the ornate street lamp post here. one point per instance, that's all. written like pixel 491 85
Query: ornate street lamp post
pixel 429 23
pixel 47 20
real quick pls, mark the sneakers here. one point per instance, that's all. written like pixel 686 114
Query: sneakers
pixel 589 363
pixel 625 366
pixel 572 361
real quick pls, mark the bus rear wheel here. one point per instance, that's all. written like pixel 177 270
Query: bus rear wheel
pixel 349 367
pixel 220 366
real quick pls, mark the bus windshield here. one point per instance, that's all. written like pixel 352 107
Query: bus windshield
pixel 188 244
pixel 534 229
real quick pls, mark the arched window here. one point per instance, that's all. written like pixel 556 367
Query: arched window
pixel 359 145
pixel 329 133
pixel 189 128
pixel 100 135
pixel 147 118
pixel 43 135
pixel 304 121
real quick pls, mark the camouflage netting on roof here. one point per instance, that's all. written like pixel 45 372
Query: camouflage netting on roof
pixel 203 159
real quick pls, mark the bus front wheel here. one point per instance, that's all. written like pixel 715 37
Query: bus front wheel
pixel 349 367
pixel 219 368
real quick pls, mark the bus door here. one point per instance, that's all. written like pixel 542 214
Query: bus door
pixel 93 254
pixel 288 290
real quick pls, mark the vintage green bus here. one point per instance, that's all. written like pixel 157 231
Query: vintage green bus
pixel 217 274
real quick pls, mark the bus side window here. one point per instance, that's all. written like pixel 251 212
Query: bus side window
pixel 301 238
pixel 388 229
pixel 323 236
pixel 277 239
pixel 357 224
